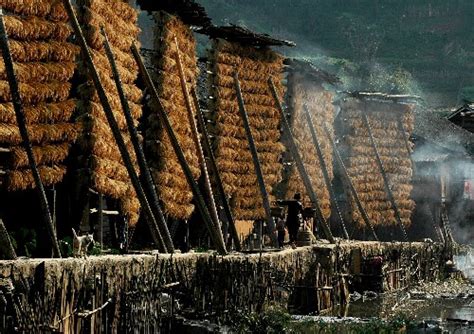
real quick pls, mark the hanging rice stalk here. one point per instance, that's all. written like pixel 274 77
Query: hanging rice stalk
pixel 233 157
pixel 108 173
pixel 319 102
pixel 44 63
pixel 361 161
pixel 173 190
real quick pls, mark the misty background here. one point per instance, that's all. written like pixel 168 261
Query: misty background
pixel 420 47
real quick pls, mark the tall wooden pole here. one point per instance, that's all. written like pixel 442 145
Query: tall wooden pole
pixel 20 118
pixel 324 170
pixel 149 187
pixel 150 218
pixel 355 195
pixel 206 141
pixel 197 142
pixel 300 165
pixel 201 204
pixel 386 182
pixel 256 161
pixel 6 246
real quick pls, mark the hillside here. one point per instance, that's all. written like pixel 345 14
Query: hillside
pixel 423 47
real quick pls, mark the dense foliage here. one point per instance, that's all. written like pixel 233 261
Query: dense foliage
pixel 405 46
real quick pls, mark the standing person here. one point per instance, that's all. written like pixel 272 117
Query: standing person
pixel 295 209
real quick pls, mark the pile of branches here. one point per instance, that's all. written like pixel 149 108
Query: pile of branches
pixel 319 103
pixel 362 164
pixel 100 153
pixel 233 155
pixel 173 190
pixel 44 64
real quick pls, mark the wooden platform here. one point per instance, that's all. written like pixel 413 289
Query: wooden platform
pixel 306 279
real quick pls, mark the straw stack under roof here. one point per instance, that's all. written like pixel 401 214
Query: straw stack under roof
pixel 362 165
pixel 101 155
pixel 233 156
pixel 173 190
pixel 44 64
pixel 319 102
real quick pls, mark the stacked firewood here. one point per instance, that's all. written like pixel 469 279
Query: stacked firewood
pixel 100 153
pixel 44 63
pixel 233 155
pixel 362 164
pixel 319 103
pixel 173 190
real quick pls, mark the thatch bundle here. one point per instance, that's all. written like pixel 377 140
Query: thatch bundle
pixel 44 65
pixel 362 165
pixel 319 103
pixel 107 171
pixel 233 156
pixel 173 190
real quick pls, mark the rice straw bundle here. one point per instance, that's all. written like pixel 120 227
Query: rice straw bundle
pixel 44 65
pixel 22 179
pixel 319 103
pixel 362 165
pixel 33 28
pixel 108 173
pixel 44 155
pixel 40 113
pixel 29 51
pixel 233 156
pixel 171 184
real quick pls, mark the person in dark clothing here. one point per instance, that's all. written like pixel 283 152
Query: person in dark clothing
pixel 295 208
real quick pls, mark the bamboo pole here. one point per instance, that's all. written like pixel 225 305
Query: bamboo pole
pixel 256 161
pixel 20 118
pixel 195 134
pixel 354 193
pixel 206 216
pixel 215 172
pixel 324 169
pixel 155 232
pixel 149 185
pixel 6 246
pixel 386 183
pixel 300 165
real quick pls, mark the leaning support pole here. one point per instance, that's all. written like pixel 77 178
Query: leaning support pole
pixel 149 187
pixel 206 141
pixel 20 118
pixel 354 193
pixel 195 134
pixel 256 161
pixel 150 218
pixel 324 170
pixel 7 251
pixel 201 204
pixel 300 165
pixel 386 183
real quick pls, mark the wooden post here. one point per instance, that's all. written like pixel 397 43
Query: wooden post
pixel 20 118
pixel 195 134
pixel 206 141
pixel 6 246
pixel 300 165
pixel 201 204
pixel 324 169
pixel 386 183
pixel 256 161
pixel 155 232
pixel 354 193
pixel 145 171
pixel 100 212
